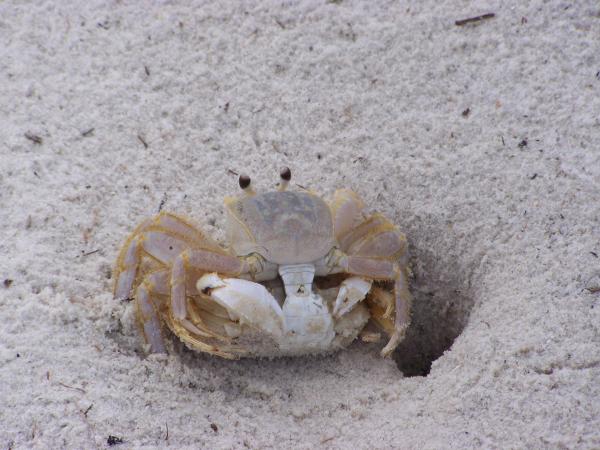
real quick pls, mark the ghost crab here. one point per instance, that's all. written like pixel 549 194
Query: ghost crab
pixel 301 276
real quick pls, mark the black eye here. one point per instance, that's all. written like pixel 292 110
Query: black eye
pixel 286 174
pixel 244 181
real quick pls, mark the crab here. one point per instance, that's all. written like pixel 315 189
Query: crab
pixel 301 276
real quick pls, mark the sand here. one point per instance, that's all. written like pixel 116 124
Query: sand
pixel 482 142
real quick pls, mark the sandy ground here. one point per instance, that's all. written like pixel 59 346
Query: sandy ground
pixel 482 142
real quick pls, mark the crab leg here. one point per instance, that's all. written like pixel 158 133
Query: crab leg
pixel 127 265
pixel 148 303
pixel 403 302
pixel 373 248
pixel 157 244
pixel 346 210
pixel 163 238
pixel 176 226
pixel 199 261
pixel 149 319
pixel 376 238
pixel 379 269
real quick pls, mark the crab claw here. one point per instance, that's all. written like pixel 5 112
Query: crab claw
pixel 208 282
pixel 352 291
pixel 245 301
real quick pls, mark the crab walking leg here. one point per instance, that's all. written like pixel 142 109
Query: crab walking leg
pixel 159 282
pixel 127 265
pixel 346 211
pixel 163 237
pixel 403 307
pixel 148 304
pixel 379 269
pixel 180 227
pixel 149 319
pixel 199 261
pixel 158 244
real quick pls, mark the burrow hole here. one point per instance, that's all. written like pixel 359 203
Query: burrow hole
pixel 441 309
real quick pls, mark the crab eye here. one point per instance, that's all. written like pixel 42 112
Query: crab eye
pixel 244 181
pixel 286 174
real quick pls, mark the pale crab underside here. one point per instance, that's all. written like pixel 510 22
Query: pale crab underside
pixel 259 298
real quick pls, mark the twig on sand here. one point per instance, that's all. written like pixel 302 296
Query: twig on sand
pixel 72 387
pixel 34 138
pixel 88 410
pixel 325 440
pixel 462 22
pixel 142 140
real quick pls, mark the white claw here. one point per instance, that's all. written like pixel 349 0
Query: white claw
pixel 352 291
pixel 209 281
pixel 247 301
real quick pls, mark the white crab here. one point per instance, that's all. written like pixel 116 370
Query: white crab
pixel 260 297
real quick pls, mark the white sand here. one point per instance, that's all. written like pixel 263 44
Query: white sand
pixel 354 94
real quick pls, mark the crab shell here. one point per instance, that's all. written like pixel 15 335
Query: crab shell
pixel 282 227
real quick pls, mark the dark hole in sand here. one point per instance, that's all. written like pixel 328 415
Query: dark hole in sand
pixel 441 308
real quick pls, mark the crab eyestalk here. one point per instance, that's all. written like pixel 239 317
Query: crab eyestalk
pixel 286 176
pixel 246 184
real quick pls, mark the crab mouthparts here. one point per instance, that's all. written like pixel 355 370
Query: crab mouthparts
pixel 297 279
